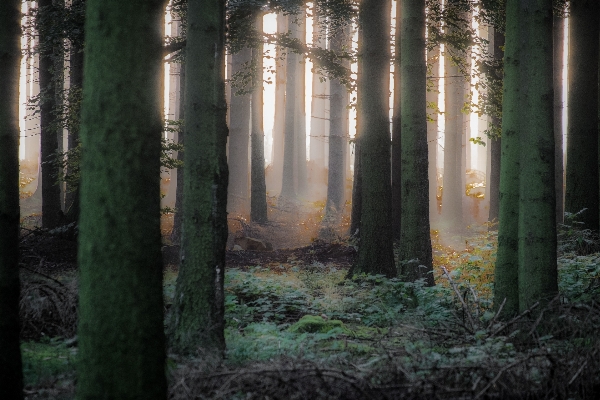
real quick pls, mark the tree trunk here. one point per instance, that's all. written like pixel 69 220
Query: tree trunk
pixel 558 49
pixel 258 200
pixel 337 133
pixel 239 136
pixel 433 89
pixel 121 330
pixel 319 105
pixel 496 143
pixel 50 60
pixel 397 131
pixel 300 119
pixel 276 173
pixel 415 254
pixel 356 212
pixel 506 278
pixel 582 100
pixel 176 233
pixel 375 254
pixel 11 375
pixel 198 312
pixel 288 190
pixel 538 276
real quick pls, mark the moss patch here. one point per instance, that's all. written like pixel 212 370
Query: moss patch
pixel 315 324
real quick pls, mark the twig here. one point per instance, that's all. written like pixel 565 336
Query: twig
pixel 42 274
pixel 465 307
pixel 499 374
pixel 515 319
pixel 493 321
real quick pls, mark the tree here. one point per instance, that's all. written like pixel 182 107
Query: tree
pixel 397 129
pixel 375 254
pixel 558 49
pixel 197 319
pixel 51 67
pixel 258 197
pixel 299 33
pixel 415 243
pixel 121 337
pixel 239 134
pixel 582 100
pixel 495 141
pixel 11 377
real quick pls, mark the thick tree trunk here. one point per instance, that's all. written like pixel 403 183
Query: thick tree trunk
pixel 397 131
pixel 558 49
pixel 415 253
pixel 239 137
pixel 582 100
pixel 538 277
pixel 121 331
pixel 506 278
pixel 198 312
pixel 258 199
pixel 11 375
pixel 375 254
pixel 50 60
pixel 337 133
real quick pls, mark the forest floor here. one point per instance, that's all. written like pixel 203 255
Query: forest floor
pixel 297 328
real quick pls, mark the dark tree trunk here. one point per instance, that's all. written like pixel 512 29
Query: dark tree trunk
pixel 121 325
pixel 397 132
pixel 258 199
pixel 11 375
pixel 176 233
pixel 197 319
pixel 375 254
pixel 558 49
pixel 50 60
pixel 356 212
pixel 496 143
pixel 582 100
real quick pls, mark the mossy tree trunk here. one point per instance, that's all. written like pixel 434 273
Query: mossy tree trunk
pixel 121 331
pixel 415 243
pixel 197 319
pixel 506 278
pixel 537 206
pixel 239 137
pixel 50 76
pixel 582 100
pixel 258 197
pixel 375 254
pixel 11 377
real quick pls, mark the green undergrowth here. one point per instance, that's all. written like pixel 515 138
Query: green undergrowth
pixel 48 362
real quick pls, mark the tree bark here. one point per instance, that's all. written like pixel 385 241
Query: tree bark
pixel 582 100
pixel 197 319
pixel 288 189
pixel 239 137
pixel 276 173
pixel 11 375
pixel 121 329
pixel 176 233
pixel 258 199
pixel 375 254
pixel 415 253
pixel 397 131
pixel 496 143
pixel 558 49
pixel 300 119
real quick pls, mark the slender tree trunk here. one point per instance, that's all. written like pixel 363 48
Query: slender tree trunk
pixel 176 233
pixel 276 173
pixel 11 376
pixel 397 131
pixel 49 57
pixel 258 200
pixel 300 119
pixel 239 137
pixel 198 313
pixel 121 329
pixel 318 120
pixel 288 190
pixel 496 143
pixel 558 49
pixel 415 240
pixel 337 134
pixel 375 254
pixel 538 276
pixel 433 89
pixel 582 99
pixel 356 212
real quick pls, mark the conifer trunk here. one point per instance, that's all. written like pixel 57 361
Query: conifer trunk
pixel 288 189
pixel 11 377
pixel 258 199
pixel 197 319
pixel 300 119
pixel 397 131
pixel 582 100
pixel 276 172
pixel 415 254
pixel 375 254
pixel 121 331
pixel 558 49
